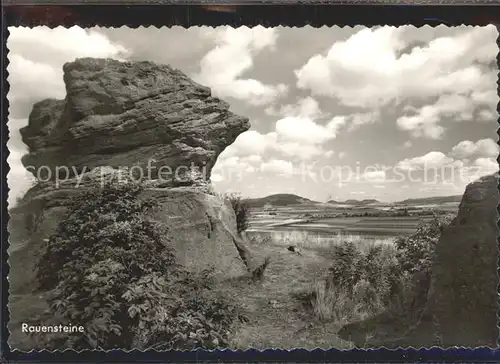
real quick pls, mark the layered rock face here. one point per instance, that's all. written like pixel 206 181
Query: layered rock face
pixel 462 304
pixel 122 115
pixel 200 226
pixel 128 114
pixel 117 116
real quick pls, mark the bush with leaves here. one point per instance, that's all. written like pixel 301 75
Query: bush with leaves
pixel 378 277
pixel 241 210
pixel 416 251
pixel 416 254
pixel 372 271
pixel 109 269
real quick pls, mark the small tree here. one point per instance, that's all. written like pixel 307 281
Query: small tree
pixel 111 269
pixel 241 210
pixel 416 251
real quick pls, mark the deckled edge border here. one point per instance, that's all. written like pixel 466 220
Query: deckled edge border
pixel 190 15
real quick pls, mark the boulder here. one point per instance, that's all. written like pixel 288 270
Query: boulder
pixel 201 226
pixel 119 116
pixel 462 302
pixel 128 114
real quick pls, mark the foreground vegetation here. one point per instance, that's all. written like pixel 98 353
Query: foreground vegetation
pixel 107 268
pixel 366 278
pixel 110 268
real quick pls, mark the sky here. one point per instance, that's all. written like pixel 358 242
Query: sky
pixel 337 113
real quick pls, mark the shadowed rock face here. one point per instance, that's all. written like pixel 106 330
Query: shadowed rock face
pixel 463 300
pixel 129 114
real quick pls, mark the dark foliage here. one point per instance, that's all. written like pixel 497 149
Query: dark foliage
pixel 241 210
pixel 111 269
pixel 396 279
pixel 258 273
pixel 416 251
pixel 371 276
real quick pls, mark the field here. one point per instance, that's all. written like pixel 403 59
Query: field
pixel 325 220
pixel 278 317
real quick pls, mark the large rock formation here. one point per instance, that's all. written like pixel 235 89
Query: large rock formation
pixel 116 116
pixel 462 303
pixel 128 114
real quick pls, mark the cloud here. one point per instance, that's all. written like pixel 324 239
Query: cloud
pixel 478 168
pixel 487 115
pixel 407 144
pixel 222 68
pixel 488 164
pixel 304 107
pixel 250 142
pixel 233 168
pixel 299 134
pixel 452 64
pixel 466 162
pixel 482 148
pixel 59 45
pixel 278 166
pixel 429 160
pixel 298 150
pixel 36 58
pixel 425 122
pixel 358 119
pixel 374 176
pixel 35 65
pixel 305 130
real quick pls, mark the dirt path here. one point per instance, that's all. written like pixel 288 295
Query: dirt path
pixel 276 317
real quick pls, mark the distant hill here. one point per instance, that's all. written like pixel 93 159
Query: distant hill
pixel 431 200
pixel 333 201
pixel 356 202
pixel 282 199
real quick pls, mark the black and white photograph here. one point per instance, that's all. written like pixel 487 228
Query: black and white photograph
pixel 215 187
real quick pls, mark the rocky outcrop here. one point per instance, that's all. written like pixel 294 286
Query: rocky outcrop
pixel 118 117
pixel 126 114
pixel 201 226
pixel 462 303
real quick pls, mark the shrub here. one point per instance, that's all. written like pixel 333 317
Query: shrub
pixel 416 254
pixel 241 210
pixel 360 282
pixel 112 270
pixel 366 279
pixel 258 272
pixel 337 305
pixel 370 274
pixel 416 251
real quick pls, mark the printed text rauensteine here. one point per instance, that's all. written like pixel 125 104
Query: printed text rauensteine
pixel 55 328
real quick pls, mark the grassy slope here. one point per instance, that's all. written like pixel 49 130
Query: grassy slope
pixel 287 324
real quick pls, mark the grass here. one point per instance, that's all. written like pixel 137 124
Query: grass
pixel 375 287
pixel 313 311
pixel 358 282
pixel 335 305
pixel 323 244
